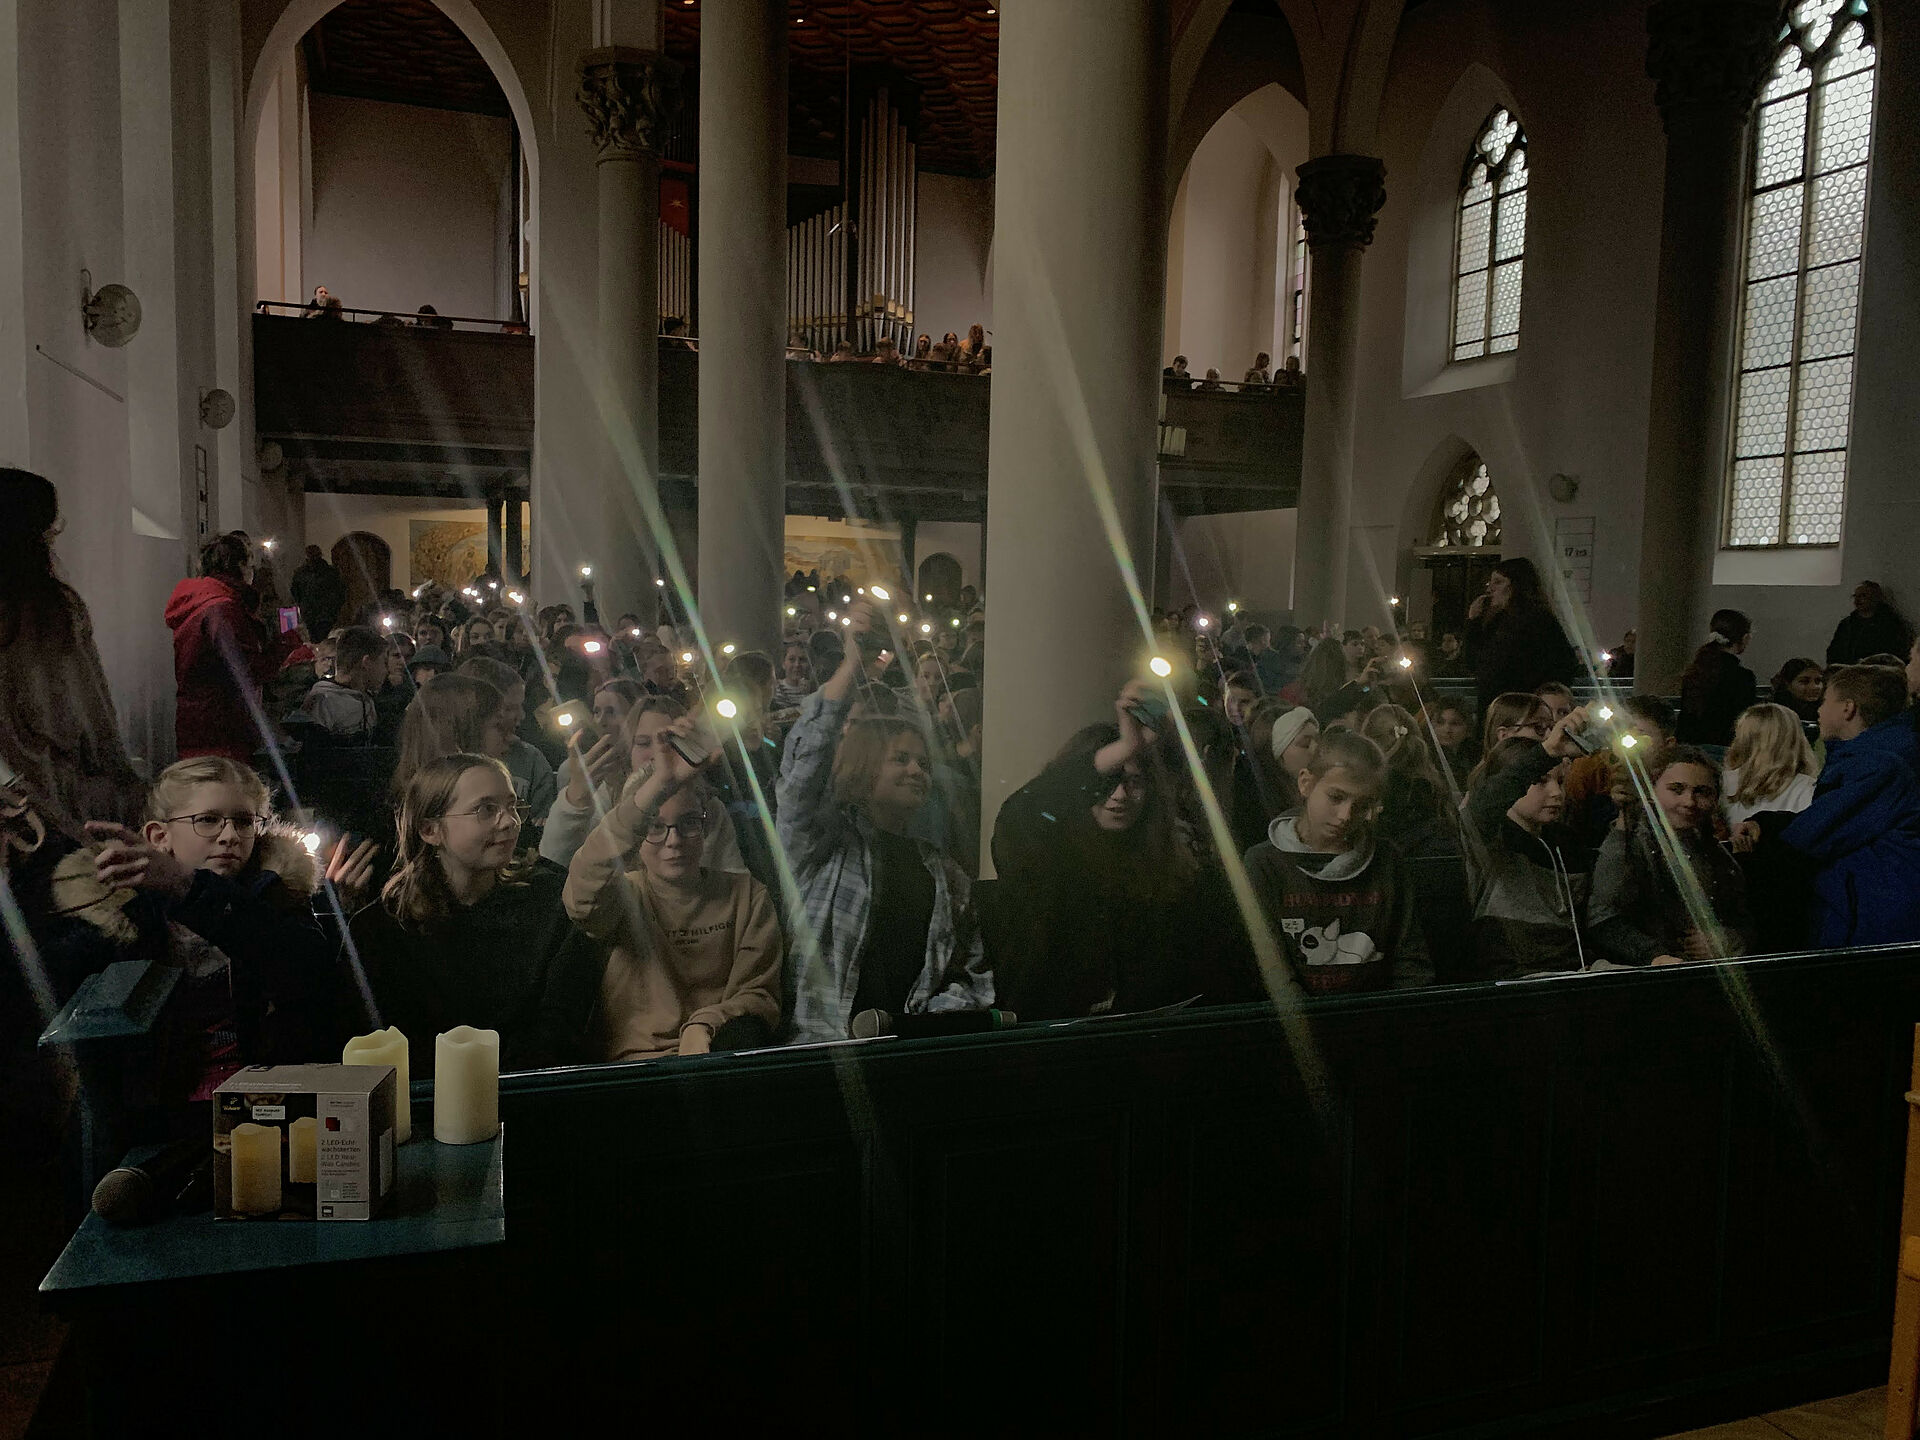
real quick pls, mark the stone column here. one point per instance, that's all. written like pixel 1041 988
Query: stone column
pixel 1080 263
pixel 628 94
pixel 1339 196
pixel 1709 60
pixel 743 324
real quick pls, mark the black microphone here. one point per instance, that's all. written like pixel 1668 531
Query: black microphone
pixel 143 1186
pixel 870 1024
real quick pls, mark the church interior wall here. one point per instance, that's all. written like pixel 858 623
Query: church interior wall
pixel 953 241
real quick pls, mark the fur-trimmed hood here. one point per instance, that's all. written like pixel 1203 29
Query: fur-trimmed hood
pixel 78 895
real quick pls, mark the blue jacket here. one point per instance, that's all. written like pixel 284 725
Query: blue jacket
pixel 1863 832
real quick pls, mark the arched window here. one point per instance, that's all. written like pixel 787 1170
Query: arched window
pixel 1295 347
pixel 1800 306
pixel 1490 240
pixel 1468 517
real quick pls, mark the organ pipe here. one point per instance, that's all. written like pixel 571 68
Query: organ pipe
pixel 879 216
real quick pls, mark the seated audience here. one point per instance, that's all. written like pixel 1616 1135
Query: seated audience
pixel 1862 830
pixel 884 922
pixel 534 780
pixel 1531 876
pixel 260 973
pixel 468 933
pixel 1212 382
pixel 343 705
pixel 1102 906
pixel 1261 372
pixel 1417 810
pixel 1176 376
pixel 796 678
pixel 1798 685
pixel 1526 716
pixel 1770 766
pixel 696 957
pixel 1558 699
pixel 1665 890
pixel 451 715
pixel 1448 724
pixel 1716 688
pixel 1338 900
pixel 428 661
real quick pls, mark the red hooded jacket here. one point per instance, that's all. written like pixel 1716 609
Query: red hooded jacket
pixel 221 658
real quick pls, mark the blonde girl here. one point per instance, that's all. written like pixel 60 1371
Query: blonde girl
pixel 1770 766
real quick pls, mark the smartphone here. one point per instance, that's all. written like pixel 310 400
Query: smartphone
pixel 569 718
pixel 1150 712
pixel 1597 734
pixel 693 749
pixel 289 618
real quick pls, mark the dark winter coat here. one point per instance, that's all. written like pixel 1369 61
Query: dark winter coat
pixel 1863 831
pixel 1518 651
pixel 222 659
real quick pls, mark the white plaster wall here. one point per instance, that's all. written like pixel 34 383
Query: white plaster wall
pixel 1246 557
pixel 1575 398
pixel 409 206
pixel 953 238
pixel 960 539
pixel 389 516
pixel 1223 318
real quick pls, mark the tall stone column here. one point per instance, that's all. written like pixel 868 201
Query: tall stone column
pixel 1080 262
pixel 743 327
pixel 628 93
pixel 1339 196
pixel 1709 60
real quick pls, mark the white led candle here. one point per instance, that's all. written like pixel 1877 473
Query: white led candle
pixel 466 1086
pixel 303 1151
pixel 386 1047
pixel 254 1176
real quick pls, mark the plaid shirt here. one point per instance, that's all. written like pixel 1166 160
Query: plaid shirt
pixel 829 849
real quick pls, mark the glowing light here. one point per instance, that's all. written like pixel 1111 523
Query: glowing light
pixel 1393 600
pixel 269 544
pixel 1606 657
pixel 903 617
pixel 810 589
pixel 1606 712
pixel 310 842
pixel 686 657
pixel 846 599
pixel 861 590
pixel 792 611
pixel 956 622
pixel 657 580
pixel 880 592
pixel 833 614
pixel 728 649
pixel 1627 742
pixel 516 597
pixel 564 719
pixel 727 709
pixel 1160 666
pixel 420 589
pixel 1233 607
pixel 586 572
pixel 847 621
pixel 386 622
pixel 634 631
pixel 1202 622
pixel 493 584
pixel 929 599
pixel 592 647
pixel 1406 662
pixel 926 627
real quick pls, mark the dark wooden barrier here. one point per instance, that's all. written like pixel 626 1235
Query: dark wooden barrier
pixel 1611 1204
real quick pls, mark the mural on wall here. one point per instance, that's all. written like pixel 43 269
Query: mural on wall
pixel 862 556
pixel 448 552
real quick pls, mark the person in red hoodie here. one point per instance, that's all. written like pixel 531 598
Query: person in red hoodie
pixel 222 656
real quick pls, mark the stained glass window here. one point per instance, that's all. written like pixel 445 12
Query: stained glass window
pixel 1296 342
pixel 1469 514
pixel 1800 304
pixel 1490 241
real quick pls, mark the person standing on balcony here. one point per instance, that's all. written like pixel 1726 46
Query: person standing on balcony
pixel 1261 373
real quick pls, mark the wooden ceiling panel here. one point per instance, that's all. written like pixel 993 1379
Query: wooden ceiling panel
pixel 404 51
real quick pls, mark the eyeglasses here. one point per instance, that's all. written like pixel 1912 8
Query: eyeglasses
pixel 492 812
pixel 692 828
pixel 207 825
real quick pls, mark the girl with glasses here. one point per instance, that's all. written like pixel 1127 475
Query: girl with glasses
pixel 697 952
pixel 469 932
pixel 236 897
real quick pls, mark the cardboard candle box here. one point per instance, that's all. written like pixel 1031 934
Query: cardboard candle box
pixel 346 1146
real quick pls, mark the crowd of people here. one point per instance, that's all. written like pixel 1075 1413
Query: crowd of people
pixel 1261 375
pixel 950 354
pixel 610 844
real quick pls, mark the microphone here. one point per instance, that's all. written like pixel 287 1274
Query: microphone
pixel 871 1024
pixel 143 1186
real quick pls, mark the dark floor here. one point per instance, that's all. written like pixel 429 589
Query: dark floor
pixel 33 1228
pixel 1846 1417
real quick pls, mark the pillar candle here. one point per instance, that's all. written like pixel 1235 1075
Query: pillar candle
pixel 254 1180
pixel 466 1086
pixel 387 1047
pixel 303 1142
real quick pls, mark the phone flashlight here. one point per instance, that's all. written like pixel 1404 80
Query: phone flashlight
pixel 634 631
pixel 586 572
pixel 310 842
pixel 1406 662
pixel 728 648
pixel 657 580
pixel 1160 666
pixel 727 709
pixel 592 647
pixel 926 627
pixel 880 592
pixel 791 611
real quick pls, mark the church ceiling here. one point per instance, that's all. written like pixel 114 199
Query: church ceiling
pixel 404 51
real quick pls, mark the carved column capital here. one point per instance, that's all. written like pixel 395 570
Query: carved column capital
pixel 1339 197
pixel 1710 58
pixel 629 95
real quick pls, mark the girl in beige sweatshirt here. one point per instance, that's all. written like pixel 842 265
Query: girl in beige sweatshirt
pixel 697 953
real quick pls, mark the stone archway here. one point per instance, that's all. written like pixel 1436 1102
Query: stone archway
pixel 941 577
